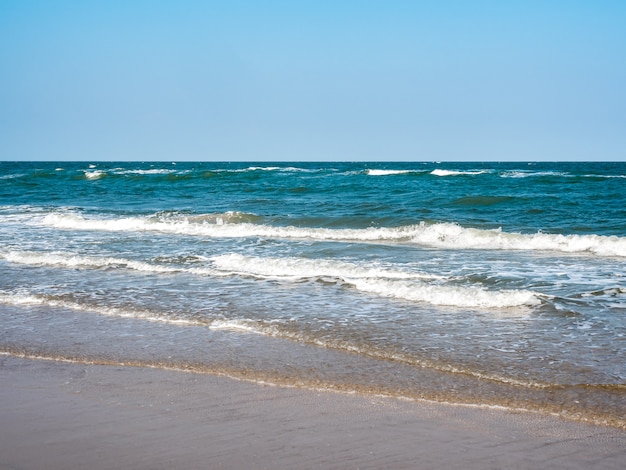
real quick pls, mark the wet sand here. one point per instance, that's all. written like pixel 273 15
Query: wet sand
pixel 57 415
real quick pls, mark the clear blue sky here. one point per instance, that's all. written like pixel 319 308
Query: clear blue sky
pixel 312 80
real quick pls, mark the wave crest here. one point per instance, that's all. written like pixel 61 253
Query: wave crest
pixel 439 172
pixel 388 172
pixel 397 284
pixel 442 235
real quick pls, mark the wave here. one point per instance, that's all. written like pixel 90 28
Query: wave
pixel 453 236
pixel 152 171
pixel 562 174
pixel 261 168
pixel 606 176
pixel 530 173
pixel 92 173
pixel 522 174
pixel 442 235
pixel 438 172
pixel 246 326
pixel 274 330
pixel 229 217
pixel 19 299
pixel 388 172
pixel 382 282
pixel 298 268
pixel 75 261
pixel 95 174
pixel 68 260
pixel 281 169
pixel 13 176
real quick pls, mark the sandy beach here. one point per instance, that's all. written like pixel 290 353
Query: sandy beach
pixel 65 415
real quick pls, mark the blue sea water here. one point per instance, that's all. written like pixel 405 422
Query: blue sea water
pixel 484 283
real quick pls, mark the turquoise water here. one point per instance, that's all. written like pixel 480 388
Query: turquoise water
pixel 487 283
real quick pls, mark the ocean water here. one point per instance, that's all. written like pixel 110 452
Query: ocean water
pixel 496 284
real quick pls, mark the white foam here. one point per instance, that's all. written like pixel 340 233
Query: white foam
pixel 245 326
pixel 387 172
pixel 10 177
pixel 69 260
pixel 439 172
pixel 447 295
pixel 446 235
pixel 300 268
pixel 40 300
pixel 76 261
pixel 78 222
pixel 379 281
pixel 94 175
pixel 153 171
pixel 439 235
pixel 529 173
pixel 260 168
pixel 413 286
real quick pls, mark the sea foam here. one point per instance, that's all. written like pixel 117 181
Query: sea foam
pixel 94 175
pixel 69 260
pixel 439 172
pixel 26 299
pixel 388 172
pixel 379 281
pixel 438 235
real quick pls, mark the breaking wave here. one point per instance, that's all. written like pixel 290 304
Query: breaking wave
pixel 35 300
pixel 379 281
pixel 437 235
pixel 439 172
pixel 388 172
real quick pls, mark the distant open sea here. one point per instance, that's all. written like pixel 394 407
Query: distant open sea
pixel 492 284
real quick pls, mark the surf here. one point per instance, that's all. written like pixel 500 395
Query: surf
pixel 442 235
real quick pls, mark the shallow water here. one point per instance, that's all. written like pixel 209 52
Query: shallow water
pixel 487 283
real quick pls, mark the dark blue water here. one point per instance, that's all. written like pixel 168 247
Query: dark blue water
pixel 472 282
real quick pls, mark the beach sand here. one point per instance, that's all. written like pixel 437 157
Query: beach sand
pixel 57 415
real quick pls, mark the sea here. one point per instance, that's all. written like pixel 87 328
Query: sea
pixel 475 283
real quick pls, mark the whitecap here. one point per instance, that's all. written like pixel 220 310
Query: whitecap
pixel 94 175
pixel 438 235
pixel 387 172
pixel 439 172
pixel 74 261
pixel 376 280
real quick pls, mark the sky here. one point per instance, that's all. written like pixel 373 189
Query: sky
pixel 313 80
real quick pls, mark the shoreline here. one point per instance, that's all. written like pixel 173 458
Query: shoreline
pixel 72 415
pixel 577 403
